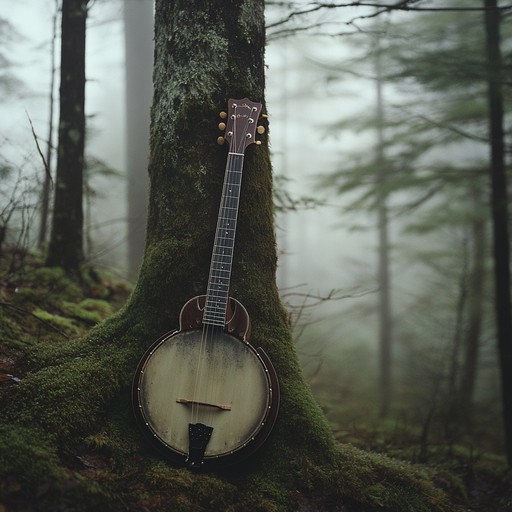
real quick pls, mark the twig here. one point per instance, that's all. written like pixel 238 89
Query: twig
pixel 333 294
pixel 45 163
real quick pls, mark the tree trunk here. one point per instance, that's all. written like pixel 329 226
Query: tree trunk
pixel 476 283
pixel 452 423
pixel 66 244
pixel 138 30
pixel 499 202
pixel 205 53
pixel 385 322
pixel 45 194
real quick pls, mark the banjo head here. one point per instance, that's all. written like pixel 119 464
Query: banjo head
pixel 210 378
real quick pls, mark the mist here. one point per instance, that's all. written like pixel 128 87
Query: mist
pixel 320 98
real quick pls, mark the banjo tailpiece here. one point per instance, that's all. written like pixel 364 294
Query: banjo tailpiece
pixel 198 437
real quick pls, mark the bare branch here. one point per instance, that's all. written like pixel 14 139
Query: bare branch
pixel 333 294
pixel 45 163
pixel 402 5
pixel 442 125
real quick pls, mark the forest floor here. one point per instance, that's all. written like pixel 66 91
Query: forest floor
pixel 37 303
pixel 476 479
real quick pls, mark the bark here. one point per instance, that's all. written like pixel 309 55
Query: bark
pixel 501 243
pixel 66 244
pixel 452 418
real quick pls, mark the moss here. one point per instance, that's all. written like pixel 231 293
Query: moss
pixel 49 282
pixel 72 386
pixel 64 323
pixel 91 311
pixel 369 481
pixel 30 460
pixel 32 476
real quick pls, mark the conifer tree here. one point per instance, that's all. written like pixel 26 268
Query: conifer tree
pixel 445 63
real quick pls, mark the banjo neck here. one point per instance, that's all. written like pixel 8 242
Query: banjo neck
pixel 217 292
pixel 241 118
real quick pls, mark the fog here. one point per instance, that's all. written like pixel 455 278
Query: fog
pixel 316 253
pixel 325 251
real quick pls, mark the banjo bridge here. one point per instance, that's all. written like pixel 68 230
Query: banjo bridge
pixel 222 407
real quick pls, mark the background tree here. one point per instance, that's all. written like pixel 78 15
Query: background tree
pixel 438 193
pixel 47 180
pixel 8 84
pixel 66 242
pixel 385 317
pixel 499 202
pixel 138 33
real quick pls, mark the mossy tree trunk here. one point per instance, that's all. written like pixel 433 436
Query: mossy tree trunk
pixel 68 438
pixel 205 53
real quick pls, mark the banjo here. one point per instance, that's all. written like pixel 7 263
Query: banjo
pixel 203 393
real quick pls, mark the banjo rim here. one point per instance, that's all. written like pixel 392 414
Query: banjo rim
pixel 254 441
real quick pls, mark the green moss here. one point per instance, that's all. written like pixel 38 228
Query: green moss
pixel 370 481
pixel 91 311
pixel 71 383
pixel 61 322
pixel 29 461
pixel 50 282
pixel 32 476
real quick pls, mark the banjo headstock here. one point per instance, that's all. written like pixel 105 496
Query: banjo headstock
pixel 240 124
